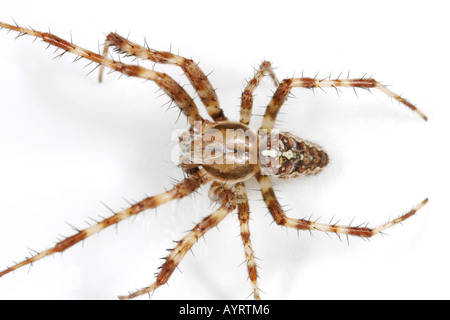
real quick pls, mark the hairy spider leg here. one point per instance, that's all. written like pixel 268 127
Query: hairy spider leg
pixel 280 217
pixel 222 194
pixel 179 191
pixel 286 85
pixel 228 203
pixel 165 82
pixel 195 75
pixel 244 217
pixel 247 95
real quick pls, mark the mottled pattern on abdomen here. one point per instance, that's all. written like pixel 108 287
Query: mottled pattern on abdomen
pixel 293 156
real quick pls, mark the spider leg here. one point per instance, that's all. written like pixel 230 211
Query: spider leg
pixel 309 83
pixel 228 204
pixel 247 94
pixel 195 75
pixel 165 82
pixel 179 191
pixel 244 215
pixel 280 217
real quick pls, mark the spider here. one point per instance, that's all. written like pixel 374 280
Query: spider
pixel 283 155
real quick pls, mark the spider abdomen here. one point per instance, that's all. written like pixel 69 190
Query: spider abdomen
pixel 289 156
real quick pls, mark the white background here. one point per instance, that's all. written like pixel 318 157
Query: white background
pixel 68 142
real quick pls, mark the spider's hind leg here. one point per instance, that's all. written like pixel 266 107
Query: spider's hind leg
pixel 280 217
pixel 193 72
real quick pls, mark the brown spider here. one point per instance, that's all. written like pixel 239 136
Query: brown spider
pixel 286 156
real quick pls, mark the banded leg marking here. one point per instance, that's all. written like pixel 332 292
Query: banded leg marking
pixel 280 217
pixel 309 83
pixel 179 191
pixel 195 75
pixel 228 204
pixel 244 217
pixel 165 82
pixel 247 94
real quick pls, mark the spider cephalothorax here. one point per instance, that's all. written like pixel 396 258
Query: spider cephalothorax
pixel 222 152
pixel 229 152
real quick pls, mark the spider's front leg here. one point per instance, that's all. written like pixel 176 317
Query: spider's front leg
pixel 165 82
pixel 179 191
pixel 280 217
pixel 222 195
pixel 310 83
pixel 195 75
